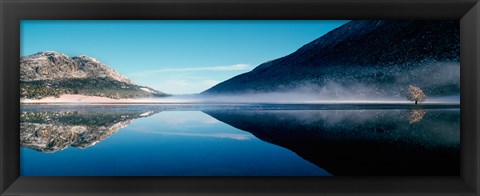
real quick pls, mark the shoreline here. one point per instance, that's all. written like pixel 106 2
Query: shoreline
pixel 69 99
pixel 232 103
pixel 262 105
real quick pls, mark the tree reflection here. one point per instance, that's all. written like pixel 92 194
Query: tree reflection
pixel 416 115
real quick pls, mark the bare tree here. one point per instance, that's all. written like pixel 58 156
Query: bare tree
pixel 415 94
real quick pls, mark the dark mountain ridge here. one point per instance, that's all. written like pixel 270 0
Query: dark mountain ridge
pixel 366 57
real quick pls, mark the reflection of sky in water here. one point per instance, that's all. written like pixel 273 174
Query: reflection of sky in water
pixel 188 124
pixel 171 143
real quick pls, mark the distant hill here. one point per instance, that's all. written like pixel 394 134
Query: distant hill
pixel 51 73
pixel 363 58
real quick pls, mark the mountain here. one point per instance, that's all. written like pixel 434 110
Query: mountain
pixel 51 73
pixel 51 65
pixel 363 58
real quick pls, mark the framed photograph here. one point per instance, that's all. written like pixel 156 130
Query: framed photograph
pixel 239 97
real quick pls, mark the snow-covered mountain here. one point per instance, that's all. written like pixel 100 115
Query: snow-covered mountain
pixel 363 58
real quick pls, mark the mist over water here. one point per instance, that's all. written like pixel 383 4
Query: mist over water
pixel 298 97
pixel 440 81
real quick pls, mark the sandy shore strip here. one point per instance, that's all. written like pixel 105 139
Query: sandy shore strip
pixel 84 99
pixel 67 98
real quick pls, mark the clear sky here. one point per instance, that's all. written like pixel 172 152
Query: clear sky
pixel 174 56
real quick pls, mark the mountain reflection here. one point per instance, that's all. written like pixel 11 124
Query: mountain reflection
pixel 360 142
pixel 53 131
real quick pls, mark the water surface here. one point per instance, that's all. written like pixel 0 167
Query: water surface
pixel 239 140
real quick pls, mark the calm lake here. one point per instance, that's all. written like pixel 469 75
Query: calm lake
pixel 239 140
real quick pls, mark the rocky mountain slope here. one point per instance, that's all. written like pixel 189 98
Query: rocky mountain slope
pixel 51 74
pixel 364 58
pixel 51 65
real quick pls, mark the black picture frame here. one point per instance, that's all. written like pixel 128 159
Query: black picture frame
pixel 12 11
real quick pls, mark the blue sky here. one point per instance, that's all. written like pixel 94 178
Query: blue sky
pixel 174 56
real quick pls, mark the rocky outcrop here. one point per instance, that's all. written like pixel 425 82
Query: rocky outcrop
pixel 51 65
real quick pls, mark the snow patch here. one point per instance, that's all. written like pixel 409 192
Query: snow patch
pixel 146 114
pixel 147 90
